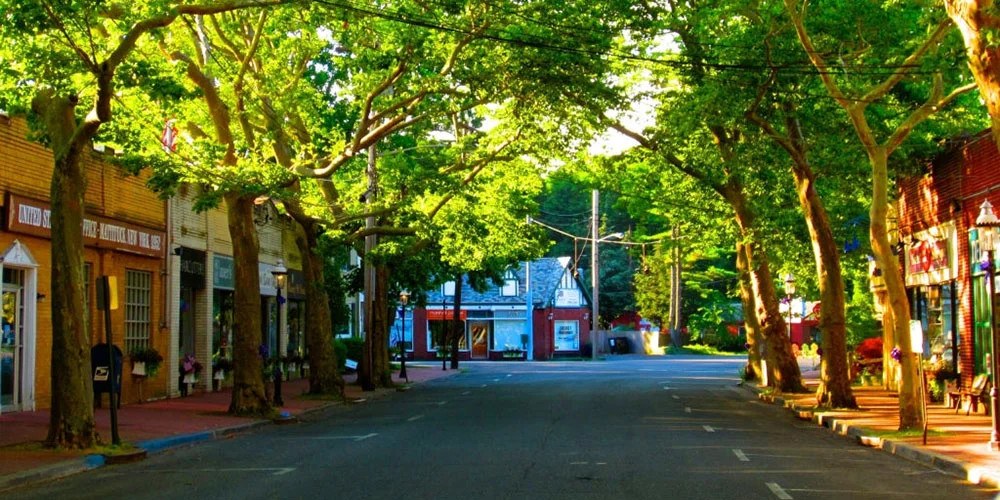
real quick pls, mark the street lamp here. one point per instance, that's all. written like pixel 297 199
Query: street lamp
pixel 280 272
pixel 789 291
pixel 594 281
pixel 404 296
pixel 987 223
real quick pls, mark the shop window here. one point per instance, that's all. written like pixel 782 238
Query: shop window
pixel 138 300
pixel 509 288
pixel 398 332
pixel 567 335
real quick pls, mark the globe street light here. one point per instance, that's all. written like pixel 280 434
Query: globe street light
pixel 280 272
pixel 594 281
pixel 987 223
pixel 789 291
pixel 404 296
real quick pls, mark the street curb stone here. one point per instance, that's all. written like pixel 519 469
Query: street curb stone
pixel 51 472
pixel 945 464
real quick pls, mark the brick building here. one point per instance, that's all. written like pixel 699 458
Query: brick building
pixel 124 236
pixel 945 281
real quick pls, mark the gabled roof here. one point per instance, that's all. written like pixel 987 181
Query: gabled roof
pixel 546 274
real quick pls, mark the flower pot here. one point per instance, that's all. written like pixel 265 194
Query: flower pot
pixel 189 378
pixel 220 375
pixel 139 369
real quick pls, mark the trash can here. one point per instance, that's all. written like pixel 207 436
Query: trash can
pixel 618 345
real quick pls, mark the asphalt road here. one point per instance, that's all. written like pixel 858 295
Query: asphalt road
pixel 676 427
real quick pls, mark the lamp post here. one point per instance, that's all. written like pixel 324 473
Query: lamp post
pixel 404 296
pixel 280 272
pixel 987 223
pixel 789 292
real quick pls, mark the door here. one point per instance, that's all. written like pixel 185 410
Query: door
pixel 11 347
pixel 480 339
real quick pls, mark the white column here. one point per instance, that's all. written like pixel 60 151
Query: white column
pixel 171 358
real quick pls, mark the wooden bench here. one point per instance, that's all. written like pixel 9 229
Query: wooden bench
pixel 979 392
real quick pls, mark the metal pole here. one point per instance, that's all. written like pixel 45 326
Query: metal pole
pixel 594 278
pixel 790 316
pixel 994 363
pixel 115 438
pixel 278 375
pixel 402 348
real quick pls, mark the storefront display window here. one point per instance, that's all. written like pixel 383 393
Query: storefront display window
pixel 222 322
pixel 567 336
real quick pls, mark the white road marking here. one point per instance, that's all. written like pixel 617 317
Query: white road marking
pixel 355 438
pixel 666 388
pixel 442 403
pixel 687 409
pixel 602 463
pixel 414 418
pixel 708 428
pixel 778 492
pixel 466 393
pixel 484 385
pixel 275 471
pixel 675 396
pixel 578 463
pixel 496 380
pixel 740 455
pixel 509 375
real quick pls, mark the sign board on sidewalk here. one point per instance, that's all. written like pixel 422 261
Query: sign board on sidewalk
pixel 350 363
pixel 916 336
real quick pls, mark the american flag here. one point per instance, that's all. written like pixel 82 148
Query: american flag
pixel 169 137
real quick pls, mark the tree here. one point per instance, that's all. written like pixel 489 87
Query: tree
pixel 977 21
pixel 856 103
pixel 67 63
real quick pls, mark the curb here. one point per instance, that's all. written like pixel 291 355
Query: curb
pixel 943 463
pixel 52 471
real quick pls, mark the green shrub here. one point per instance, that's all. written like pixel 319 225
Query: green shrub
pixel 340 349
pixel 355 347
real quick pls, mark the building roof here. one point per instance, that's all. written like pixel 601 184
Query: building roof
pixel 546 275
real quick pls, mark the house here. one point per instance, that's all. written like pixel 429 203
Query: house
pixel 494 321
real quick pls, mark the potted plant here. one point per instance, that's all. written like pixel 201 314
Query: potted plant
pixel 221 366
pixel 190 369
pixel 146 362
pixel 512 352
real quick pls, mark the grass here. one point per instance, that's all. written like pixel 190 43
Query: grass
pixel 701 349
pixel 38 446
pixel 904 434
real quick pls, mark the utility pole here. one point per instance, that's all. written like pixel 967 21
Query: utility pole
pixel 368 369
pixel 594 277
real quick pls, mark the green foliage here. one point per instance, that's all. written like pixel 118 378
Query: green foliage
pixel 340 349
pixel 353 348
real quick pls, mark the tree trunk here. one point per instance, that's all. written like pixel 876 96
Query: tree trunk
pixel 977 22
pixel 835 385
pixel 71 418
pixel 676 291
pixel 910 411
pixel 248 376
pixel 778 347
pixel 754 370
pixel 380 340
pixel 324 377
pixel 456 324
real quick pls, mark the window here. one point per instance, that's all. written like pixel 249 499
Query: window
pixel 138 300
pixel 509 285
pixel 396 332
pixel 567 336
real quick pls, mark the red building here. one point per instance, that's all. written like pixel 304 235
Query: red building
pixel 495 325
pixel 942 263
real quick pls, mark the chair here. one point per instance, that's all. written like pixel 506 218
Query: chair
pixel 977 393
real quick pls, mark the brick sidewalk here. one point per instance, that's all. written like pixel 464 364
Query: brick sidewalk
pixel 21 432
pixel 956 443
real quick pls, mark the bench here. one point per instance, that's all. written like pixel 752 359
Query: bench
pixel 977 393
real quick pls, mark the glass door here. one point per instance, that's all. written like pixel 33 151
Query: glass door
pixel 11 347
pixel 480 339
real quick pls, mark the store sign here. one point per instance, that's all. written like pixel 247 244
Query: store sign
pixel 192 268
pixel 931 258
pixel 447 314
pixel 568 297
pixel 268 284
pixel 34 217
pixel 296 285
pixel 222 272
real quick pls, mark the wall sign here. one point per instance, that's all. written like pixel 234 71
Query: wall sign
pixel 192 268
pixel 567 297
pixel 33 217
pixel 932 257
pixel 447 314
pixel 222 272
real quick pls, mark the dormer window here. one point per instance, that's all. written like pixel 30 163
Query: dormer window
pixel 509 288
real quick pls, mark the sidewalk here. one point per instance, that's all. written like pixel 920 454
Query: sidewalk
pixel 157 425
pixel 956 443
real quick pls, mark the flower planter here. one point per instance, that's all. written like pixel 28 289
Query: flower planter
pixel 220 375
pixel 189 378
pixel 138 369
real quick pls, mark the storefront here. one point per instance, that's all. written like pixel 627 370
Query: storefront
pixel 191 299
pixel 295 313
pixel 931 265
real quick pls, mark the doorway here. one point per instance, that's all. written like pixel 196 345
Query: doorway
pixel 12 344
pixel 480 331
